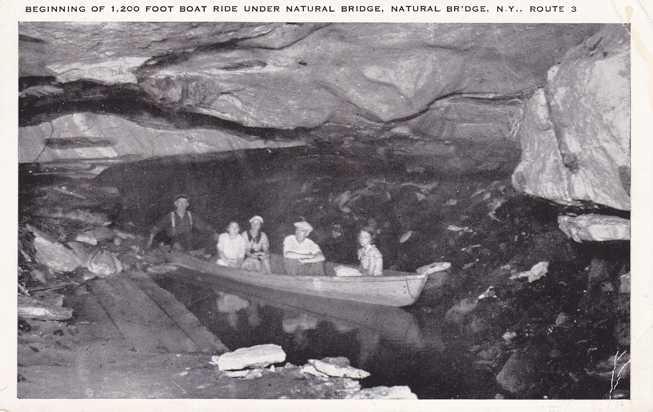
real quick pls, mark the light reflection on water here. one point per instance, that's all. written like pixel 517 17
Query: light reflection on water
pixel 391 343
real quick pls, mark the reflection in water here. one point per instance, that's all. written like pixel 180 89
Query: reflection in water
pixel 386 341
pixel 302 322
pixel 369 344
pixel 253 317
pixel 230 305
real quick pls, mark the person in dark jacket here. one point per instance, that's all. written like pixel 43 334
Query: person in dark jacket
pixel 180 224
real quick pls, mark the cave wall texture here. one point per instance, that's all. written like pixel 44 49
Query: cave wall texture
pixel 576 131
pixel 445 98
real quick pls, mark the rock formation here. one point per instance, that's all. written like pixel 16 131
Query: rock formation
pixel 575 135
pixel 445 98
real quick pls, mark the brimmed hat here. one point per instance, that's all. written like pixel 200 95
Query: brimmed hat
pixel 256 218
pixel 181 196
pixel 302 225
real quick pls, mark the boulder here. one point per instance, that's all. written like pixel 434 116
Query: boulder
pixel 594 227
pixel 575 134
pixel 104 263
pixel 258 356
pixel 338 367
pixel 82 251
pixel 30 308
pixel 53 254
pixel 384 392
pixel 518 373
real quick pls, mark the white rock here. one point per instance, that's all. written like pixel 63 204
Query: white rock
pixel 309 369
pixel 538 271
pixel 509 335
pixel 595 227
pixel 254 356
pixel 489 293
pixel 333 367
pixel 93 236
pixel 384 392
pixel 433 268
pixel 53 254
pixel 406 236
pixel 87 238
pixel 454 228
pixel 575 133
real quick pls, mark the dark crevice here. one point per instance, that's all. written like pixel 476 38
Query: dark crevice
pixel 30 39
pixel 29 81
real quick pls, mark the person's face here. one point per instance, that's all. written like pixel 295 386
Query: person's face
pixel 181 204
pixel 233 228
pixel 255 225
pixel 300 234
pixel 364 238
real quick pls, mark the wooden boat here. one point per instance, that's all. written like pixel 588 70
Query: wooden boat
pixel 393 324
pixel 392 289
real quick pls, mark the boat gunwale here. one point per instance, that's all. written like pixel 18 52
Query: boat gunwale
pixel 334 279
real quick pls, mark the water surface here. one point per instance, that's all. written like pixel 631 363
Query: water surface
pixel 395 345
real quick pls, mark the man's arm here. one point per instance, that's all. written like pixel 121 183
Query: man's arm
pixel 204 226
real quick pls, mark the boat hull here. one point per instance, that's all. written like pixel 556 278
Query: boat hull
pixel 393 289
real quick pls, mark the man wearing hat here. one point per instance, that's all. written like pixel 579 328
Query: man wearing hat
pixel 179 225
pixel 301 255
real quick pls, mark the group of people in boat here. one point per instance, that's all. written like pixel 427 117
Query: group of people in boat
pixel 250 249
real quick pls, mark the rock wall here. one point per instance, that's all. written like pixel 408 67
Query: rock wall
pixel 444 98
pixel 575 134
pixel 99 138
pixel 384 72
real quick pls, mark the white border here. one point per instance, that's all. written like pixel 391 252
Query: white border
pixel 615 11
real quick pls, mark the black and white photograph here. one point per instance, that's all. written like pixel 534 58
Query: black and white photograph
pixel 322 210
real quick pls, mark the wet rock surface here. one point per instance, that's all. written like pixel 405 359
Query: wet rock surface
pixel 575 134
